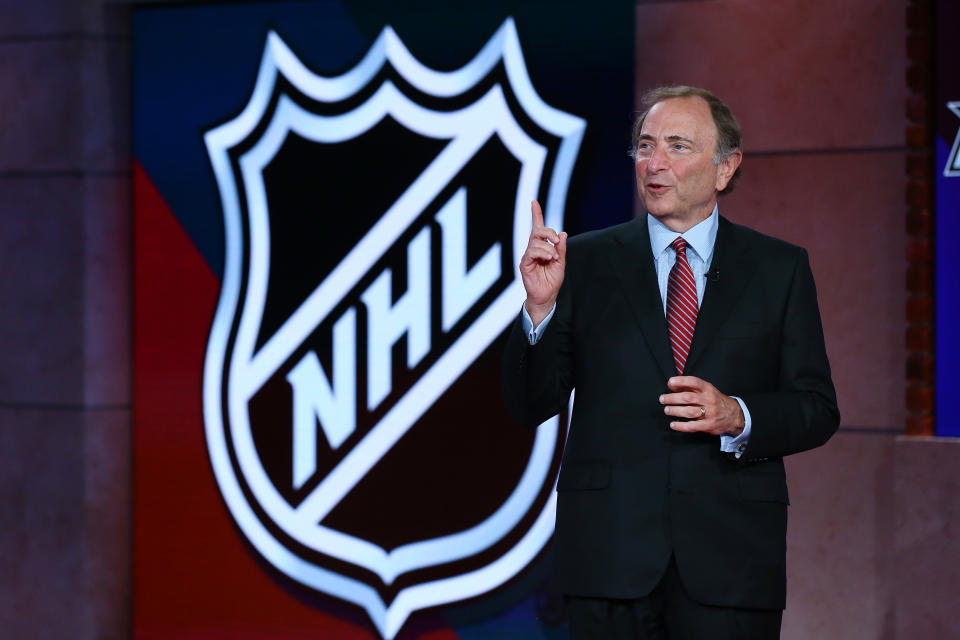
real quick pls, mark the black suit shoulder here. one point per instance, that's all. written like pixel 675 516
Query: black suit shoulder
pixel 591 251
pixel 760 241
pixel 597 242
pixel 760 250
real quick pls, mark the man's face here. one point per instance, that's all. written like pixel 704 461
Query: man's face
pixel 676 178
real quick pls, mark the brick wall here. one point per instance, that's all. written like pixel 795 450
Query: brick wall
pixel 920 228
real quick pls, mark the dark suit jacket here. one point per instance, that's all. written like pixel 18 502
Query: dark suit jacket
pixel 631 491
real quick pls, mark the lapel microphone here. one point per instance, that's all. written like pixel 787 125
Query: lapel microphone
pixel 713 275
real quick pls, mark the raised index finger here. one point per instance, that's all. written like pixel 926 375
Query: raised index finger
pixel 537 214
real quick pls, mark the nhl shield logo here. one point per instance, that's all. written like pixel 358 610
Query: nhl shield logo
pixel 373 222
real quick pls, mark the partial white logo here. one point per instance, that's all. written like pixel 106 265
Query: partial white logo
pixel 330 360
pixel 952 168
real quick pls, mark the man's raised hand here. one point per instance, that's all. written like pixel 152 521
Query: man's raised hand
pixel 542 266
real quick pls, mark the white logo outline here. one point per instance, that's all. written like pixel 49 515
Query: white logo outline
pixel 249 370
pixel 952 167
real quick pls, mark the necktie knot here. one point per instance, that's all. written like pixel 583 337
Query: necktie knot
pixel 679 246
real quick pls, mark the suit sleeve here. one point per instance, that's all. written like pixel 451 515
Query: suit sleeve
pixel 537 379
pixel 802 412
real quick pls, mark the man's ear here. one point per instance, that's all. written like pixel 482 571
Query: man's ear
pixel 728 166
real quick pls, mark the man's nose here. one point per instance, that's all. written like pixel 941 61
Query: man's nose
pixel 658 160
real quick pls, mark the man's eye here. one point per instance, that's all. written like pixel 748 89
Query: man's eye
pixel 679 147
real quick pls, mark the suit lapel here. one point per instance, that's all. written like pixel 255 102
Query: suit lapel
pixel 731 262
pixel 638 280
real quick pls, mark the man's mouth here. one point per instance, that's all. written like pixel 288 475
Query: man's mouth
pixel 656 187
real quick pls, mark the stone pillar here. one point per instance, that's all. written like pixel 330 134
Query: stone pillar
pixel 66 290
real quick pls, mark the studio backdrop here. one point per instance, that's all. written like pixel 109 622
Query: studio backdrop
pixel 330 203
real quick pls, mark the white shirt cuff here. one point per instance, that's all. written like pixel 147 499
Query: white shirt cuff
pixel 534 333
pixel 737 445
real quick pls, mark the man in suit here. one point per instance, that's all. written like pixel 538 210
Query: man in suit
pixel 696 350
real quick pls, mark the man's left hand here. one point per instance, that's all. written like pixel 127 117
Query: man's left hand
pixel 707 410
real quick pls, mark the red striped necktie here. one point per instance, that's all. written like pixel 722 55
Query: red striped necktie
pixel 681 305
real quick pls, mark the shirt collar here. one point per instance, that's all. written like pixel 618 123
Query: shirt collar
pixel 701 237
